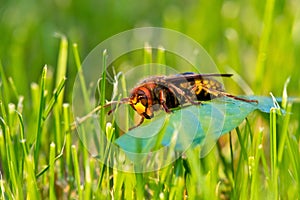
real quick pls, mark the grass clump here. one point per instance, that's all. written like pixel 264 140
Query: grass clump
pixel 230 170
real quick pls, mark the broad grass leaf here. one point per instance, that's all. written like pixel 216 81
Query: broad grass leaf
pixel 192 125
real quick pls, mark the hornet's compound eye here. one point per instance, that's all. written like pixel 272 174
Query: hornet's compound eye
pixel 143 99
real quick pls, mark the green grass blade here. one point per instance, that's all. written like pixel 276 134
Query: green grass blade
pixel 61 63
pixel 129 186
pixel 40 116
pixel 3 155
pixel 31 184
pixel 231 156
pixel 148 59
pixel 102 113
pixel 177 189
pixel 11 163
pixel 126 109
pixel 22 136
pixel 5 91
pixel 273 151
pixel 89 171
pixel 140 185
pixel 80 74
pixel 255 167
pixel 47 167
pixel 2 188
pixel 3 145
pixel 52 194
pixel 60 76
pixel 66 118
pixel 110 134
pixel 284 131
pixel 264 42
pixel 13 87
pixel 102 89
pixel 54 98
pixel 161 59
pixel 76 171
pixel 284 94
pixel 119 178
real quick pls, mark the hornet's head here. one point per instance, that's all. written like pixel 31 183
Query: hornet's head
pixel 141 101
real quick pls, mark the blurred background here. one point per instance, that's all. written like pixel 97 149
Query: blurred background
pixel 231 32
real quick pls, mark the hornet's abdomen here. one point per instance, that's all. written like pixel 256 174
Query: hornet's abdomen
pixel 201 87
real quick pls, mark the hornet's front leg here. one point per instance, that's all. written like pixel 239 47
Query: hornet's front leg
pixel 162 101
pixel 141 121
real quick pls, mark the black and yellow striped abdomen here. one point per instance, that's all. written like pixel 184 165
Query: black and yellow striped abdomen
pixel 206 89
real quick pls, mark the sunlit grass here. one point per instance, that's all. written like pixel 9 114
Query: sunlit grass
pixel 40 156
pixel 248 166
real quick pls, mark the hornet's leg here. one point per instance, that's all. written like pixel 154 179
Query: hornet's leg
pixel 140 122
pixel 220 93
pixel 238 98
pixel 182 93
pixel 162 101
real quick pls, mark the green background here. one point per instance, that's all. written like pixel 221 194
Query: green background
pixel 231 32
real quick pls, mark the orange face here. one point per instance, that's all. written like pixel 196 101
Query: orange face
pixel 141 101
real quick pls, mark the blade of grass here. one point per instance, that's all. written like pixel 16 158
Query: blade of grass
pixel 165 181
pixel 22 137
pixel 62 62
pixel 85 98
pixel 80 75
pixel 11 160
pixel 54 98
pixel 148 58
pixel 293 152
pixel 2 189
pixel 12 119
pixel 129 185
pixel 103 81
pixel 242 142
pixel 3 144
pixel 140 184
pixel 58 100
pixel 60 75
pixel 196 175
pixel 52 194
pixel 32 121
pixel 40 116
pixel 284 131
pixel 273 152
pixel 161 59
pixel 119 178
pixel 177 185
pixel 110 133
pixel 76 171
pixel 89 170
pixel 87 106
pixel 31 185
pixel 255 171
pixel 223 159
pixel 56 158
pixel 264 43
pixel 126 109
pixel 67 131
pixel 102 114
pixel 284 94
pixel 232 159
pixel 5 91
pixel 13 87
pixel 241 178
pixel 3 155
